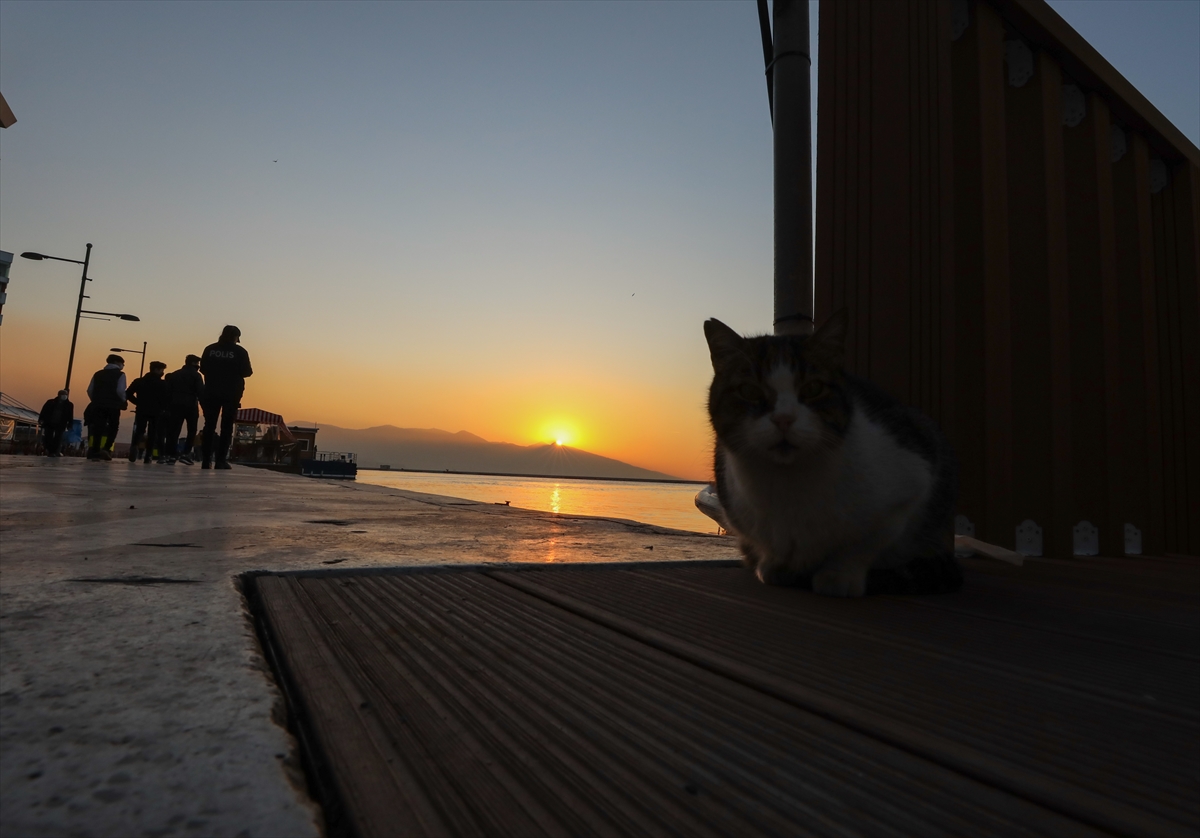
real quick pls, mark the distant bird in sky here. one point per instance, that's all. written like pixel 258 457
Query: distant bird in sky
pixel 274 161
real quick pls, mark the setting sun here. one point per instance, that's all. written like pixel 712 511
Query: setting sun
pixel 559 432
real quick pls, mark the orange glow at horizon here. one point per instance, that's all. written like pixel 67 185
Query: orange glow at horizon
pixel 655 424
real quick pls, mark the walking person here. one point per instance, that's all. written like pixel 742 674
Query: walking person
pixel 185 390
pixel 149 393
pixel 106 400
pixel 225 366
pixel 57 415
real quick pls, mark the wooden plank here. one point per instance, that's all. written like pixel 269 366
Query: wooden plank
pixel 983 298
pixel 999 524
pixel 892 224
pixel 381 797
pixel 1116 434
pixel 1086 267
pixel 1062 409
pixel 1170 354
pixel 516 716
pixel 970 348
pixel 1155 543
pixel 945 304
pixel 1033 463
pixel 1186 187
pixel 1140 450
pixel 1125 795
pixel 883 231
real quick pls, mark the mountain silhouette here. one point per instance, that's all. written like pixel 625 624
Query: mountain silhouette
pixel 430 449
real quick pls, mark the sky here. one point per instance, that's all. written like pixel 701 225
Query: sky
pixel 508 218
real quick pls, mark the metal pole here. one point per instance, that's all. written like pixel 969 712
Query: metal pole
pixel 790 72
pixel 143 370
pixel 78 311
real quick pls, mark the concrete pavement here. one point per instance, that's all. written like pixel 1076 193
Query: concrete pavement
pixel 133 696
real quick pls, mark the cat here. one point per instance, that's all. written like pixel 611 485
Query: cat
pixel 826 480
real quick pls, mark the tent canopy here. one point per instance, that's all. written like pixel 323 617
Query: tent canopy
pixel 255 416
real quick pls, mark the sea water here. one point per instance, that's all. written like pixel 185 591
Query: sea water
pixel 665 504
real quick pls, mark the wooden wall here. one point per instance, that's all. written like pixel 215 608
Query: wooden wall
pixel 1016 233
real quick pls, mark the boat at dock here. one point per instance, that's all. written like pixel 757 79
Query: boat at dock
pixel 340 465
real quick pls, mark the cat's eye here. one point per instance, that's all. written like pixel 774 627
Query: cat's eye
pixel 751 393
pixel 813 388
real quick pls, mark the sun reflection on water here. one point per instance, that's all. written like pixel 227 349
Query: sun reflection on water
pixel 665 504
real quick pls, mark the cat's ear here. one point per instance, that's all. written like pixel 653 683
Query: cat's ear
pixel 828 344
pixel 725 346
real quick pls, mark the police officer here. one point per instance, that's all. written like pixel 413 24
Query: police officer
pixel 106 392
pixel 56 416
pixel 225 366
pixel 149 393
pixel 185 389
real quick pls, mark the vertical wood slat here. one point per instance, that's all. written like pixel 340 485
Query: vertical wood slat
pixel 1000 527
pixel 1112 534
pixel 981 264
pixel 883 141
pixel 1152 390
pixel 1185 184
pixel 1163 284
pixel 1141 451
pixel 943 203
pixel 1175 283
pixel 1033 126
pixel 1061 403
pixel 969 378
pixel 1085 235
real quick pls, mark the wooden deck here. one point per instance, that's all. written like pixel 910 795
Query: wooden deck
pixel 685 698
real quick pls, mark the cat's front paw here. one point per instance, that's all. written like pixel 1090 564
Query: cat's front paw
pixel 840 581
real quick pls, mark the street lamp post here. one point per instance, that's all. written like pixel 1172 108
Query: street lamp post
pixel 141 352
pixel 79 309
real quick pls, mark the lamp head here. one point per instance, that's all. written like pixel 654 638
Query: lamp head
pixel 133 317
pixel 29 254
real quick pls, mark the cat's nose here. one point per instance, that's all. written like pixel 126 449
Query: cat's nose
pixel 783 421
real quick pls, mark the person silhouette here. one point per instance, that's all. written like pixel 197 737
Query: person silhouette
pixel 57 415
pixel 149 393
pixel 106 392
pixel 225 366
pixel 185 389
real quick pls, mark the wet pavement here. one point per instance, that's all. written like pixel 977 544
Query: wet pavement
pixel 133 695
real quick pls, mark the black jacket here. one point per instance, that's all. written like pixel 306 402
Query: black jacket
pixel 57 414
pixel 226 366
pixel 149 393
pixel 185 387
pixel 106 389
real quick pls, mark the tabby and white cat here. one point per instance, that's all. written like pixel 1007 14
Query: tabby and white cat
pixel 826 480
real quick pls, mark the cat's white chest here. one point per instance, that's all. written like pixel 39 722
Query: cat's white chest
pixel 798 516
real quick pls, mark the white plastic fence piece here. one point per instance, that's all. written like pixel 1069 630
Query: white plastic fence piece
pixel 1133 540
pixel 960 18
pixel 1118 141
pixel 1019 59
pixel 1074 105
pixel 1029 538
pixel 1085 539
pixel 1158 175
pixel 963 526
